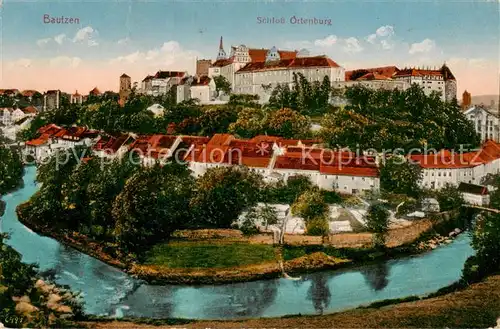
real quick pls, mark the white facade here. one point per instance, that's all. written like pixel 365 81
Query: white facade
pixel 10 116
pixel 486 123
pixel 389 84
pixel 476 199
pixel 428 83
pixel 262 82
pixel 157 110
pixel 437 178
pixel 348 184
pixel 204 93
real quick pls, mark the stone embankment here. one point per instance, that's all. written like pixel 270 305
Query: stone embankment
pixel 437 240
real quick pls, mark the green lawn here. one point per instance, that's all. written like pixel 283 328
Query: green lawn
pixel 193 255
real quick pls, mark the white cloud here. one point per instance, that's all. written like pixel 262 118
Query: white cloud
pixel 385 31
pixel 86 34
pixel 43 42
pixel 383 35
pixel 65 61
pixel 352 45
pixel 123 41
pixel 20 63
pixel 169 56
pixel 425 46
pixel 326 42
pixel 60 38
pixel 371 38
pixel 386 44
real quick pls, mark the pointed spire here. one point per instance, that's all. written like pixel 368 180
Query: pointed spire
pixel 220 44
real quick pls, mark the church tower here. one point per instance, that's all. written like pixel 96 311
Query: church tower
pixel 222 53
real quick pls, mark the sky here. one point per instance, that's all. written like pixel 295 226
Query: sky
pixel 140 37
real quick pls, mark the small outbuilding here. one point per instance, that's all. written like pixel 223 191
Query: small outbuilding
pixel 475 194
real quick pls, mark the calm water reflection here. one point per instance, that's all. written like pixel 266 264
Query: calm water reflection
pixel 109 291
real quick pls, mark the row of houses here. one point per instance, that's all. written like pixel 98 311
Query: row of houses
pixel 9 116
pixel 186 86
pixel 275 158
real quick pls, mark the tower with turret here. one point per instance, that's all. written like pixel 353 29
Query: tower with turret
pixel 450 84
pixel 222 53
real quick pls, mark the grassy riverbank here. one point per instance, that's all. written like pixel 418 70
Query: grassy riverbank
pixel 227 258
pixel 477 306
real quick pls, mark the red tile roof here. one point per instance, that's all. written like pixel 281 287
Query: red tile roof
pixel 489 152
pixel 417 72
pixel 8 91
pixel 169 74
pixel 28 93
pixel 223 62
pixel 201 81
pixel 30 110
pixel 38 141
pixel 111 144
pixel 300 62
pixel 95 92
pixel 50 129
pixel 373 76
pixel 259 55
pixel 388 71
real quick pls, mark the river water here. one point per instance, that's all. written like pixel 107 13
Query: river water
pixel 108 291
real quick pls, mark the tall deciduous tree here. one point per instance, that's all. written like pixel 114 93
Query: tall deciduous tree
pixel 400 176
pixel 222 85
pixel 309 205
pixel 222 193
pixel 153 203
pixel 288 123
pixel 377 221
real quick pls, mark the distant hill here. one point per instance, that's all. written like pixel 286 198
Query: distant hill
pixel 485 99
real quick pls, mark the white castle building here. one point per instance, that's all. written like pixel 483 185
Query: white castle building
pixel 259 71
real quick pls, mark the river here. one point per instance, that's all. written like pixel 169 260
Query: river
pixel 108 291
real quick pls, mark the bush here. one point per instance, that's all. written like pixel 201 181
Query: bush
pixel 310 205
pixel 318 226
pixel 331 197
pixel 248 227
pixel 449 198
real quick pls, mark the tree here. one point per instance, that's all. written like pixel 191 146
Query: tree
pixel 390 119
pixel 216 119
pixel 221 194
pixel 153 203
pixel 102 190
pixel 310 205
pixel 377 222
pixel 486 243
pixel 286 193
pixel 222 85
pixel 31 131
pixel 250 123
pixel 11 169
pixel 288 123
pixel 243 100
pixel 449 198
pixel 309 98
pixel 318 226
pixel 400 176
